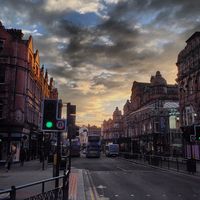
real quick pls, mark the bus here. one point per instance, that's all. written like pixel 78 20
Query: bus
pixel 93 148
pixel 112 150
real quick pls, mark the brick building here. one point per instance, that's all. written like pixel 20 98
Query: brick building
pixel 112 129
pixel 188 79
pixel 23 85
pixel 151 117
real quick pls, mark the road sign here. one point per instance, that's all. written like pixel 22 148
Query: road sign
pixel 61 124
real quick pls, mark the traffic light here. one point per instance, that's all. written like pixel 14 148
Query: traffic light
pixel 71 120
pixel 197 132
pixel 49 118
pixel 77 130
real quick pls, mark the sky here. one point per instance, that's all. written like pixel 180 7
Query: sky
pixel 95 49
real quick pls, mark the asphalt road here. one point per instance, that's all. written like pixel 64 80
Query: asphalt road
pixel 117 179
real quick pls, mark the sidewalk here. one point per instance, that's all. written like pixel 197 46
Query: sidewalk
pixel 32 171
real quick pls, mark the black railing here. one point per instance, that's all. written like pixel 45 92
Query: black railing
pixel 172 163
pixel 59 193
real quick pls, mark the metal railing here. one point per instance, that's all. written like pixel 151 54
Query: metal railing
pixel 172 163
pixel 59 193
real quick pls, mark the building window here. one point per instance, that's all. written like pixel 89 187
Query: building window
pixel 1 110
pixel 172 122
pixel 2 75
pixel 1 44
pixel 156 127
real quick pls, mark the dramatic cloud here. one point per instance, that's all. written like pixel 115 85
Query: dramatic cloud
pixel 95 49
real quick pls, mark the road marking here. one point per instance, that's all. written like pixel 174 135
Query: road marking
pixel 73 185
pixel 132 195
pixel 148 195
pixel 101 187
pixel 116 195
pixel 124 170
pixel 91 194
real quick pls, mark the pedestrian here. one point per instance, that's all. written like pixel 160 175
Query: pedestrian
pixel 9 161
pixel 22 156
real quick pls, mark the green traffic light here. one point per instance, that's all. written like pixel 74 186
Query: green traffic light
pixel 49 124
pixel 199 138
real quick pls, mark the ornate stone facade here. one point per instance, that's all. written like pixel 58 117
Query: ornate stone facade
pixel 188 79
pixel 112 129
pixel 148 116
pixel 23 85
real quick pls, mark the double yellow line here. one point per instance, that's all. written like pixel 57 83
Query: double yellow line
pixel 92 190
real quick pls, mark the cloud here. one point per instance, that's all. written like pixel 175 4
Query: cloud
pixel 82 6
pixel 94 63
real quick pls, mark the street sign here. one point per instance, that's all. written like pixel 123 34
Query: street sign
pixel 61 124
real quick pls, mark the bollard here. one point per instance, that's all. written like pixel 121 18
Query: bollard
pixel 42 187
pixel 13 193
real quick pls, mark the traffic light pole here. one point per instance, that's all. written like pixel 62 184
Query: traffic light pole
pixel 58 158
pixel 43 157
pixel 70 148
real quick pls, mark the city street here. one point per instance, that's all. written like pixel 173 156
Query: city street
pixel 114 178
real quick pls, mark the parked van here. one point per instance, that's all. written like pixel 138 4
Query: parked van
pixel 112 150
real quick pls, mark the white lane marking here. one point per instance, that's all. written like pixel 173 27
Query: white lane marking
pixel 101 187
pixel 148 195
pixel 132 195
pixel 122 169
pixel 116 195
